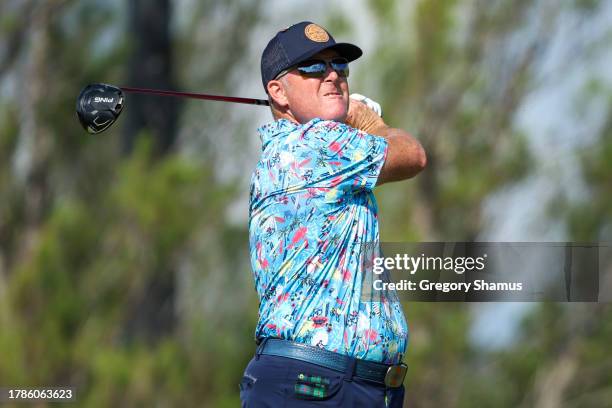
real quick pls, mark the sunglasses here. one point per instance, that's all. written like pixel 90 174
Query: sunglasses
pixel 316 68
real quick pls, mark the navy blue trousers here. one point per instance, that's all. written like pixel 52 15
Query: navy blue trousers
pixel 276 382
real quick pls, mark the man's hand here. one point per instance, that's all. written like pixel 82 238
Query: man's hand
pixel 363 118
pixel 370 103
pixel 405 156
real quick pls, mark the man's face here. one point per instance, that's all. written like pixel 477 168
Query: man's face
pixel 325 98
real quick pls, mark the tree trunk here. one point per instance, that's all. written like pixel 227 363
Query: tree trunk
pixel 150 65
pixel 152 313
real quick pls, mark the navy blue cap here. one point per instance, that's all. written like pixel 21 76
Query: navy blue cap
pixel 298 43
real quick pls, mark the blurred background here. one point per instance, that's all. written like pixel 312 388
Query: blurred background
pixel 124 268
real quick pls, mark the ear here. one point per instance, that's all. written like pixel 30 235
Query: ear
pixel 276 90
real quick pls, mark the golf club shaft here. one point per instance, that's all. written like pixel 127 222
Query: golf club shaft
pixel 249 101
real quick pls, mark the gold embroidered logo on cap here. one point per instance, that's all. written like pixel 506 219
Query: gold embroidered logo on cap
pixel 316 33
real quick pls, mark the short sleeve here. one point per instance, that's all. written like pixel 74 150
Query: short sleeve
pixel 348 159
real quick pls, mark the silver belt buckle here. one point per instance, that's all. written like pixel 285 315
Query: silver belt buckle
pixel 395 375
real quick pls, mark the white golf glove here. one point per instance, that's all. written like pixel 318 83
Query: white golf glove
pixel 375 106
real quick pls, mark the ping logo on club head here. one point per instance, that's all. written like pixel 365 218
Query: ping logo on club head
pixel 99 99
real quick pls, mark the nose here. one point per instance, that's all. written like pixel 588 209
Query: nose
pixel 330 73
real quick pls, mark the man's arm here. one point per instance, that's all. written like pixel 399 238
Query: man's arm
pixel 405 155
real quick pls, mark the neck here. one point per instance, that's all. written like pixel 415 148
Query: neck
pixel 285 114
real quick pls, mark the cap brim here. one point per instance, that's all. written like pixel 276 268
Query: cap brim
pixel 349 51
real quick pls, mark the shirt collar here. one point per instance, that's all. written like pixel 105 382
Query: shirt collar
pixel 281 127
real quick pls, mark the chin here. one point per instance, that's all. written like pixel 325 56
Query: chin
pixel 337 113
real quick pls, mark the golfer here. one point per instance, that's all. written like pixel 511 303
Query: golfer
pixel 311 208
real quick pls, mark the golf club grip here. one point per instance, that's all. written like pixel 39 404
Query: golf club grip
pixel 249 101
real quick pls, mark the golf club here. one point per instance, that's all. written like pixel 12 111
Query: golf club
pixel 99 105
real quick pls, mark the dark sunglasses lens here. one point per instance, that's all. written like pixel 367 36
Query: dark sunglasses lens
pixel 340 65
pixel 312 68
pixel 317 68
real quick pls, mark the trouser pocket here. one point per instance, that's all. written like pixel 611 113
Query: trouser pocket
pixel 245 385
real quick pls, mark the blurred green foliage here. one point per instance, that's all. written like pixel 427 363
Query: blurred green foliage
pixel 69 302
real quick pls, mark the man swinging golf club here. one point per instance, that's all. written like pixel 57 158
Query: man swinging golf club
pixel 311 207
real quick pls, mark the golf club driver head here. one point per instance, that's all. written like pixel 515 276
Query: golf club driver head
pixel 98 107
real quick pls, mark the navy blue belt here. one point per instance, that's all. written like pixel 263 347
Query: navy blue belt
pixel 389 375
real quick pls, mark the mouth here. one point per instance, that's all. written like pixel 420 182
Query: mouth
pixel 337 94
